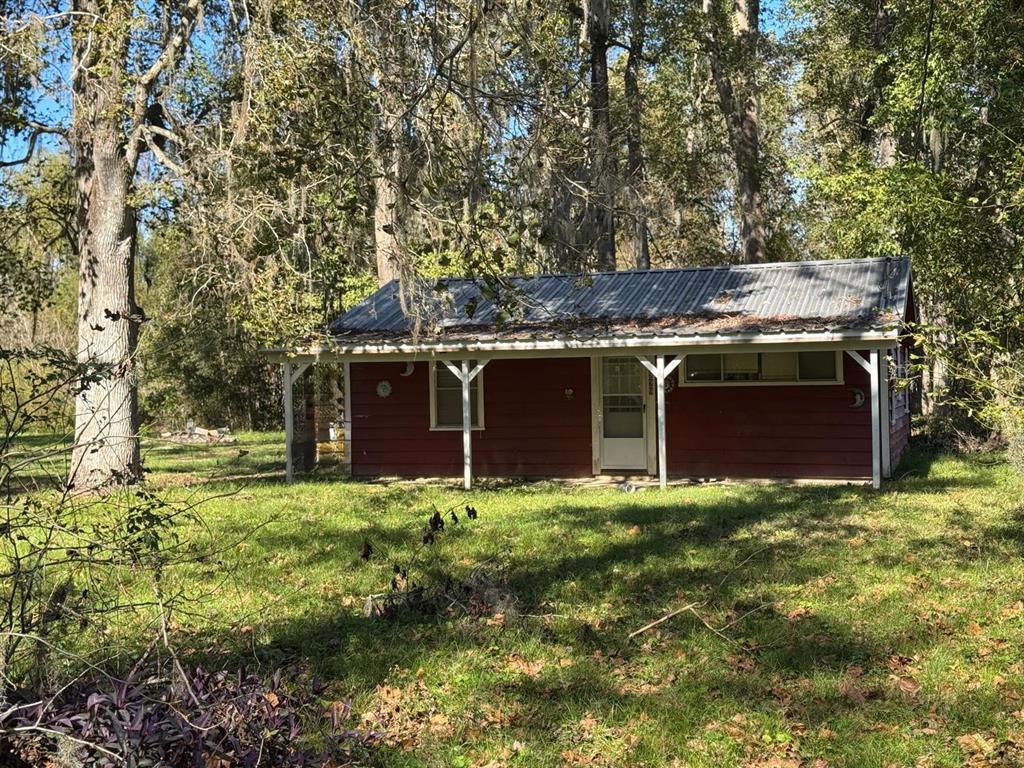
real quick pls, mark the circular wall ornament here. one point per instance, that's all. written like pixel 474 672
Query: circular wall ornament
pixel 670 384
pixel 383 388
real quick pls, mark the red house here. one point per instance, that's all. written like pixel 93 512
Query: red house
pixel 782 370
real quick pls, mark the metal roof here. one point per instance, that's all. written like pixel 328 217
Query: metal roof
pixel 799 296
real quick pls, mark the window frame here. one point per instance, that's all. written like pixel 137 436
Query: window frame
pixel 840 374
pixel 434 426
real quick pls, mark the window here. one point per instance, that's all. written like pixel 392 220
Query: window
pixel 703 367
pixel 817 366
pixel 763 368
pixel 446 398
pixel 899 386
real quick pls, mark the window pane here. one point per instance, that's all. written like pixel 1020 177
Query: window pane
pixel 740 366
pixel 448 397
pixel 623 376
pixel 818 366
pixel 446 378
pixel 703 367
pixel 778 366
pixel 623 416
pixel 449 408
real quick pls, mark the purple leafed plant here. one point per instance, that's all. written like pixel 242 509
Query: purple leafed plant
pixel 201 719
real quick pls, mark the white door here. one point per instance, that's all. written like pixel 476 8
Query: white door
pixel 623 414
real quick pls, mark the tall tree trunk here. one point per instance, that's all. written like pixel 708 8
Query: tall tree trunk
pixel 106 406
pixel 602 163
pixel 882 137
pixel 734 61
pixel 389 210
pixel 634 136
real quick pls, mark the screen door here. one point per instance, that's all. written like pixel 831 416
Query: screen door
pixel 623 423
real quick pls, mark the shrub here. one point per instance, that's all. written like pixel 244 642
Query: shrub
pixel 201 719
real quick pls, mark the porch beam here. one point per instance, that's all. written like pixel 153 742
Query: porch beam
pixel 660 370
pixel 463 373
pixel 289 373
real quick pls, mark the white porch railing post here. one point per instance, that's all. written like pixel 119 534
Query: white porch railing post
pixel 467 429
pixel 466 376
pixel 289 420
pixel 660 371
pixel 662 458
pixel 871 365
pixel 876 422
pixel 883 416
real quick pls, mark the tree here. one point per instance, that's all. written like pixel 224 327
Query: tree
pixel 635 170
pixel 122 56
pixel 732 48
pixel 597 18
pixel 913 142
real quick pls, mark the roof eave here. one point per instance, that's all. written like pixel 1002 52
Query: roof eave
pixel 381 350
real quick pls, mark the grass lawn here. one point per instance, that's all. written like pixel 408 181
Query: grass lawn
pixel 833 626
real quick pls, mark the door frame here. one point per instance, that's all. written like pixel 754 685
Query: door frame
pixel 597 415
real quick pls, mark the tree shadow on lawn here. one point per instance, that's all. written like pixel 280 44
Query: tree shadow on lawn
pixel 658 553
pixel 744 556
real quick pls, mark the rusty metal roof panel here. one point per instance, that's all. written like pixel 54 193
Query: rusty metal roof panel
pixel 782 296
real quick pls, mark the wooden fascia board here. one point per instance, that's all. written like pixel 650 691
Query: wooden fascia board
pixel 584 348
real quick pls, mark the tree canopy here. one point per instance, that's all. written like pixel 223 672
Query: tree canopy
pixel 286 156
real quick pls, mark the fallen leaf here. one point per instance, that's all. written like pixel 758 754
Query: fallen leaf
pixel 908 685
pixel 517 663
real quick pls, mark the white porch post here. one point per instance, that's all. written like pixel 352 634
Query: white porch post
pixel 872 367
pixel 289 419
pixel 660 371
pixel 876 426
pixel 289 373
pixel 467 429
pixel 883 415
pixel 466 376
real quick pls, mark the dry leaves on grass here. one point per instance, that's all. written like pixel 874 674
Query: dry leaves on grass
pixel 740 663
pixel 631 680
pixel 799 613
pixel 519 665
pixel 761 749
pixel 1013 610
pixel 591 742
pixel 405 715
pixel 903 669
pixel 855 688
pixel 984 750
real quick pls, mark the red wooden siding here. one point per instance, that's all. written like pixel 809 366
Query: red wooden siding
pixel 899 436
pixel 532 429
pixel 771 431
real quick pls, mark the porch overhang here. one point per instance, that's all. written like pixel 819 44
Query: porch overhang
pixel 651 350
pixel 613 344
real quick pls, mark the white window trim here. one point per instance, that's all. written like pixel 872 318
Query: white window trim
pixel 433 401
pixel 840 375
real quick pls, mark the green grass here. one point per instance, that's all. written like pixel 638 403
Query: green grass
pixel 844 625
